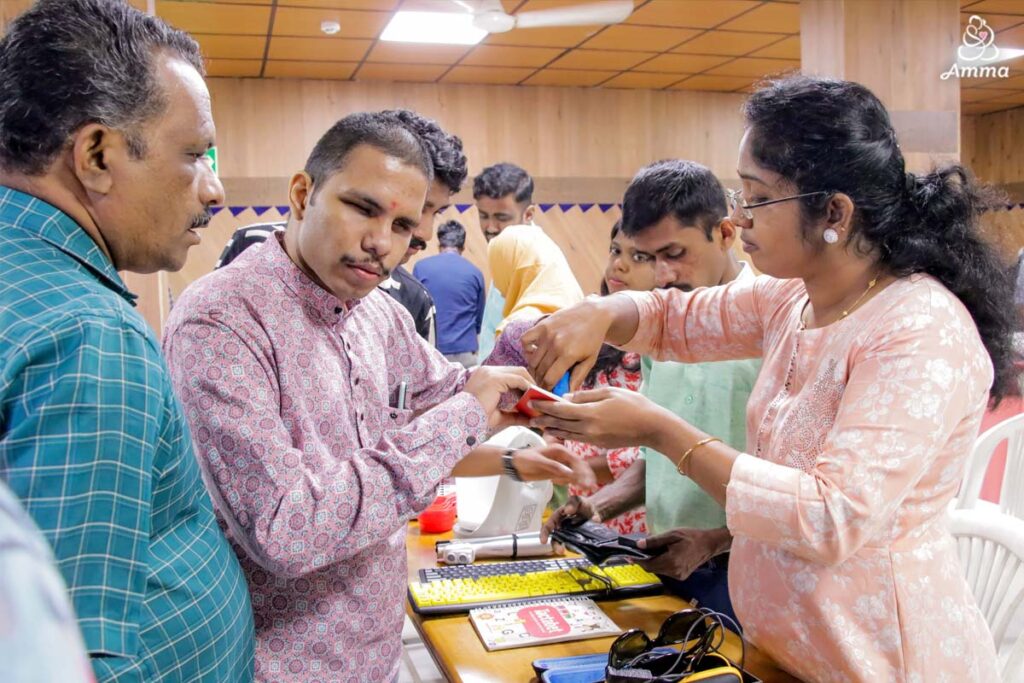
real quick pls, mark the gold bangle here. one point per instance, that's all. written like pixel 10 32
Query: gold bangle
pixel 702 442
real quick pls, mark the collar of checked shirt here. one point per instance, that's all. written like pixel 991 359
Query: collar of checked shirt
pixel 57 228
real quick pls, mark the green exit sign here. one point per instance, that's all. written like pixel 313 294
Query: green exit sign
pixel 211 154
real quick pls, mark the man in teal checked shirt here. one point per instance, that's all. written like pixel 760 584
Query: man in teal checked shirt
pixel 104 127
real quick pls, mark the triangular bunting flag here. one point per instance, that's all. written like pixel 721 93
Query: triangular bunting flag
pixel 463 208
pixel 283 210
pixel 585 207
pixel 260 210
pixel 214 210
pixel 545 207
pixel 235 210
pixel 565 207
pixel 604 207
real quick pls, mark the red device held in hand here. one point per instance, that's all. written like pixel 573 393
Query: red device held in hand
pixel 535 393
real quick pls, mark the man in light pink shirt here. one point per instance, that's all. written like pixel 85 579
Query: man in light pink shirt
pixel 322 420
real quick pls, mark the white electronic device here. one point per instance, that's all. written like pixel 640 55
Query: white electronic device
pixel 499 506
pixel 514 546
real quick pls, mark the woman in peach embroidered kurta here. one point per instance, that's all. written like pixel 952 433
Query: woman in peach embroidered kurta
pixel 887 329
pixel 842 567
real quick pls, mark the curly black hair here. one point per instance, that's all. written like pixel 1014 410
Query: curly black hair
pixel 833 135
pixel 445 150
pixel 501 180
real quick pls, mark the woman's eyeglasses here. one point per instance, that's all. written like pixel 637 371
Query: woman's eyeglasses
pixel 738 205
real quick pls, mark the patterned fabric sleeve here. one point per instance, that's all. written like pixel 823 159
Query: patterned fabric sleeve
pixel 907 392
pixel 431 377
pixel 270 500
pixel 621 459
pixel 508 349
pixel 708 324
pixel 79 452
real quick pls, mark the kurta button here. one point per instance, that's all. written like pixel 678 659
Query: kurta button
pixel 689 399
pixel 470 441
pixel 394 416
pixel 357 381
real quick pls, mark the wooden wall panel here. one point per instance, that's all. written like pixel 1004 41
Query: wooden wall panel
pixel 898 49
pixel 1006 229
pixel 9 9
pixel 581 146
pixel 997 154
pixel 266 128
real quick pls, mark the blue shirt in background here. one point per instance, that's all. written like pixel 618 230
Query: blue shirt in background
pixel 457 287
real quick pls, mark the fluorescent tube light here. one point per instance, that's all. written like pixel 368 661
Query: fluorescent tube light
pixel 448 28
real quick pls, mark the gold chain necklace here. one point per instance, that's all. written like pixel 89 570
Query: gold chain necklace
pixel 871 285
pixel 847 311
pixel 787 384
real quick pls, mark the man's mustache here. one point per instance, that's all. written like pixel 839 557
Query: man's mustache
pixel 375 264
pixel 201 220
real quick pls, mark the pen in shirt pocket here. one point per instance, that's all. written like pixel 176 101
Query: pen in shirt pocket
pixel 400 404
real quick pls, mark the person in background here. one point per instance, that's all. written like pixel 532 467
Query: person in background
pixel 323 420
pixel 504 196
pixel 627 269
pixel 36 618
pixel 885 322
pixel 457 287
pixel 105 123
pixel 450 172
pixel 530 272
pixel 673 211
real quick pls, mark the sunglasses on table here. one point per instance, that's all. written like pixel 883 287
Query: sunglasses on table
pixel 636 656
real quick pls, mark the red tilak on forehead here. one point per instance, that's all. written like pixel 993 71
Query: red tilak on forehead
pixel 394 205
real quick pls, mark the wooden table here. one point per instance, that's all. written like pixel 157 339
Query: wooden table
pixel 459 654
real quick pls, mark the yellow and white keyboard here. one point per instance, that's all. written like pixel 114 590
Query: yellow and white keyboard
pixel 460 588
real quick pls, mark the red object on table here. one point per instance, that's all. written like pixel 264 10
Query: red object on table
pixel 440 516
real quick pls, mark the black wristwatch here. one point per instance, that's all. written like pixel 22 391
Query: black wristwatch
pixel 508 465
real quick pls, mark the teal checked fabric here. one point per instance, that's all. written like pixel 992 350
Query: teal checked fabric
pixel 94 444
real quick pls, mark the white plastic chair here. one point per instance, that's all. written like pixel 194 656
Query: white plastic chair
pixel 991 549
pixel 1011 496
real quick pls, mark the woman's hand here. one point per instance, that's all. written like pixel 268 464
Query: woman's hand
pixel 607 417
pixel 570 337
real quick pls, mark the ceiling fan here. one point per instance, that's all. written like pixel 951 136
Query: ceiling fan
pixel 490 16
